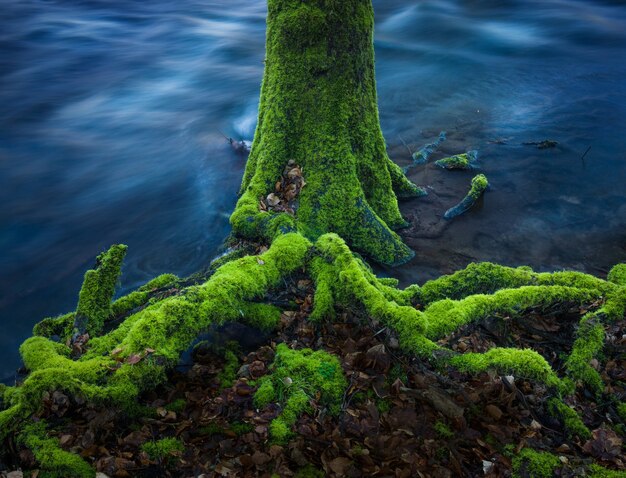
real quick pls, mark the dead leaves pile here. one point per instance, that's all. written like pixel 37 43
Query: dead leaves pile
pixel 286 191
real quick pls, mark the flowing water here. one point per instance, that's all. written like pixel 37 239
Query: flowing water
pixel 112 114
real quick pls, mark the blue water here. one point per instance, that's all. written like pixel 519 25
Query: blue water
pixel 111 114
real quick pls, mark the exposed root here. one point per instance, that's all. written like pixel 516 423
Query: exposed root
pixel 115 367
pixel 479 186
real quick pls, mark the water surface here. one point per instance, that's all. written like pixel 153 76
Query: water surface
pixel 112 114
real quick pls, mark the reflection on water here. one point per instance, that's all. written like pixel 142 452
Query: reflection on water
pixel 111 116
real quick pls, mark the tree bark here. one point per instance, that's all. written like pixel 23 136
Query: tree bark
pixel 318 108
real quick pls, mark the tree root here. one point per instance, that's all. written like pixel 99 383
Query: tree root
pixel 132 357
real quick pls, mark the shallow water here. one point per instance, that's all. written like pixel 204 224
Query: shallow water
pixel 111 116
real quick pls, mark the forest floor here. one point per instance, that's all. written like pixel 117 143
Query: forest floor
pixel 399 416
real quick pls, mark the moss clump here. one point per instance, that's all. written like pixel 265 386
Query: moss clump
pixel 240 428
pixel 297 378
pixel 54 462
pixel 479 186
pixel 96 294
pixel 136 299
pixel 61 326
pixel 519 362
pixel 443 430
pixel 228 375
pixel 535 464
pixel 597 471
pixel 177 405
pixel 570 419
pixel 461 162
pixel 164 449
pixel 586 347
pixel 487 278
pixel 309 471
pixel 617 275
pixel 445 316
pixel 335 137
pixel 621 411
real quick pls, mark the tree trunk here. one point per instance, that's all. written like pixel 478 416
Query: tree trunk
pixel 318 108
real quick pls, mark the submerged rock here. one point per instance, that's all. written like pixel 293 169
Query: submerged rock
pixel 464 162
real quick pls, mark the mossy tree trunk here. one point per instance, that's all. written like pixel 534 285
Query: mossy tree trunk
pixel 319 109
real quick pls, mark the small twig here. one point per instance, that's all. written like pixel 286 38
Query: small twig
pixel 380 331
pixel 405 145
pixel 229 139
pixel 585 154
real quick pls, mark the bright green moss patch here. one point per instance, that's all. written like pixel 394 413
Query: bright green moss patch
pixel 177 405
pixel 164 449
pixel 139 297
pixel 61 326
pixel 344 279
pixel 228 375
pixel 597 471
pixel 445 316
pixel 309 471
pixel 53 461
pixel 462 162
pixel 96 294
pixel 570 419
pixel 621 411
pixel 518 362
pixel 587 346
pixel 443 430
pixel 298 377
pixel 478 187
pixel 617 275
pixel 535 464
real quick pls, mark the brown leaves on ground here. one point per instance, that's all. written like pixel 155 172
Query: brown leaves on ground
pixel 399 416
pixel 286 191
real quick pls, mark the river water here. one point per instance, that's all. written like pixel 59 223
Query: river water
pixel 112 114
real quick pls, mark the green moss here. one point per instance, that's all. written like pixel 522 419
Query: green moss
pixel 535 464
pixel 96 294
pixel 518 362
pixel 228 375
pixel 383 405
pixel 443 430
pixel 621 411
pixel 487 278
pixel 177 405
pixel 463 161
pixel 261 316
pixel 53 461
pixel 345 280
pixel 570 419
pixel 597 471
pixel 587 346
pixel 478 187
pixel 136 299
pixel 309 471
pixel 164 449
pixel 445 316
pixel 335 136
pixel 158 334
pixel 61 326
pixel 296 378
pixel 617 275
pixel 240 428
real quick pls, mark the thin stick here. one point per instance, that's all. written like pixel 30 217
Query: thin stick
pixel 405 145
pixel 583 156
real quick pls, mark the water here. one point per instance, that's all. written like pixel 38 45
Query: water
pixel 111 116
